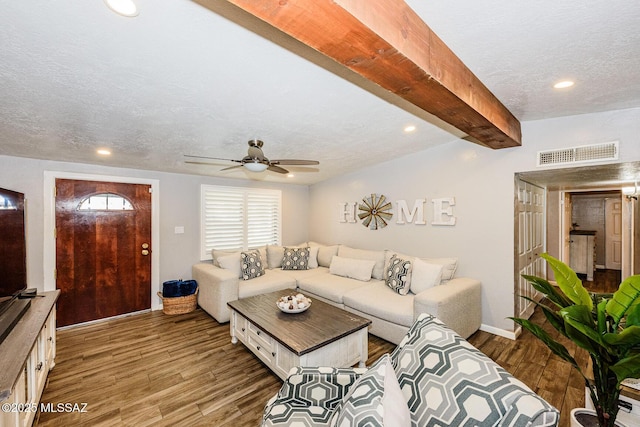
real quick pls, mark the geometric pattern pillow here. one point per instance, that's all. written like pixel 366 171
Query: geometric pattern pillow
pixel 398 275
pixel 295 258
pixel 448 382
pixel 375 400
pixel 251 265
pixel 309 396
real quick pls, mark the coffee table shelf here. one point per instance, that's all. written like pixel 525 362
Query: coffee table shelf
pixel 323 335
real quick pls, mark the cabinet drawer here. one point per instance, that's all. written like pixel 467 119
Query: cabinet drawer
pixel 259 337
pixel 240 326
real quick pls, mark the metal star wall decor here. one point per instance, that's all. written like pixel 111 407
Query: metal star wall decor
pixel 375 212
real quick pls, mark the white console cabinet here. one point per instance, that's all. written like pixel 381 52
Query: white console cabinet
pixel 582 252
pixel 27 355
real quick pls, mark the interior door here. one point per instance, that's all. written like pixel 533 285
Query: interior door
pixel 613 233
pixel 567 209
pixel 530 220
pixel 103 245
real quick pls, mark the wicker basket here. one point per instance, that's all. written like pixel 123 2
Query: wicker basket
pixel 179 305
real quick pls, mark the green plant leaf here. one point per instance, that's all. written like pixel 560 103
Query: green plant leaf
pixel 629 336
pixel 581 328
pixel 569 282
pixel 602 316
pixel 627 295
pixel 629 367
pixel 543 286
pixel 633 315
pixel 557 348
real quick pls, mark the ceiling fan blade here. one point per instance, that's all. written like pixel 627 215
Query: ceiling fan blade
pixel 293 162
pixel 274 168
pixel 231 167
pixel 211 158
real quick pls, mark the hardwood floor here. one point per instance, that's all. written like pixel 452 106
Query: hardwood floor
pixel 157 370
pixel 604 281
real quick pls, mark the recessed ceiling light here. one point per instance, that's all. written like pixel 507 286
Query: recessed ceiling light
pixel 104 152
pixel 563 84
pixel 123 7
pixel 290 175
pixel 409 129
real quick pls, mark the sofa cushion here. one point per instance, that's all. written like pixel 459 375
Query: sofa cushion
pixel 309 396
pixel 251 265
pixel 295 258
pixel 378 300
pixel 275 253
pixel 359 269
pixel 325 254
pixel 397 275
pixel 377 256
pixel 449 266
pixel 231 262
pixel 424 275
pixel 447 381
pixel 375 400
pixel 270 281
pixel 299 275
pixel 329 286
pixel 217 253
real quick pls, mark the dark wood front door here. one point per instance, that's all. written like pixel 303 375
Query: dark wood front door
pixel 103 249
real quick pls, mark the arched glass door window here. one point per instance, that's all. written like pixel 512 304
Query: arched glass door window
pixel 7 204
pixel 105 202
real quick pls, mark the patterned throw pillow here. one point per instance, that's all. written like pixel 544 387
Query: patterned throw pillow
pixel 251 264
pixel 398 275
pixel 295 258
pixel 375 400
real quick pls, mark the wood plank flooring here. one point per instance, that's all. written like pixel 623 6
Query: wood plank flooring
pixel 157 370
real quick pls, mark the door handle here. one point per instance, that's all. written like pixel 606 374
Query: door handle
pixel 145 249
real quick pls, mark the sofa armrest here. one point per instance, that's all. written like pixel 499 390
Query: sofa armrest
pixel 457 303
pixel 309 396
pixel 217 286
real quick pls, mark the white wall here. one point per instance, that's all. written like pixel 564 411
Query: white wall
pixel 482 181
pixel 179 206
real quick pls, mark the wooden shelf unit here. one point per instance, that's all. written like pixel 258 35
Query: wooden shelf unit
pixel 27 355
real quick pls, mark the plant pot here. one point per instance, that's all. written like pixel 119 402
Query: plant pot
pixel 582 417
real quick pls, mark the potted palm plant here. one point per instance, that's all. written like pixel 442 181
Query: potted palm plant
pixel 607 327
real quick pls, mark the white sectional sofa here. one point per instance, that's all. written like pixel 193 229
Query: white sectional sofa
pixel 357 280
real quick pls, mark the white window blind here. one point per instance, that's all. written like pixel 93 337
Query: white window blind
pixel 239 218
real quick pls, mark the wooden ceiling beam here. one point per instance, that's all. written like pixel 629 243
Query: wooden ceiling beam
pixel 386 42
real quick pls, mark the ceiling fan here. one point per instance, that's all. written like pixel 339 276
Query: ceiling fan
pixel 255 160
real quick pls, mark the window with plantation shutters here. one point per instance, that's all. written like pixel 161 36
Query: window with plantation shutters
pixel 239 218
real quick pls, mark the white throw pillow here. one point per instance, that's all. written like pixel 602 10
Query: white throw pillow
pixel 359 269
pixel 275 254
pixel 313 257
pixel 325 254
pixel 375 400
pixel 377 256
pixel 232 263
pixel 217 253
pixel 449 266
pixel 424 275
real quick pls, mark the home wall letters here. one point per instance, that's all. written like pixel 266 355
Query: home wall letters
pixel 442 211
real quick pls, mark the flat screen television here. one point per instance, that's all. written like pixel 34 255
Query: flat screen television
pixel 13 259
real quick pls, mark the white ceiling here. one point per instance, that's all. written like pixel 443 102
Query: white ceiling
pixel 181 79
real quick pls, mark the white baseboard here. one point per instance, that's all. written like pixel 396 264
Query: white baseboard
pixel 512 335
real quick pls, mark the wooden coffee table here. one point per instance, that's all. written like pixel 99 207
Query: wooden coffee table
pixel 323 335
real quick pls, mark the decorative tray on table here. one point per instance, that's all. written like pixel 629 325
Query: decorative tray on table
pixel 293 303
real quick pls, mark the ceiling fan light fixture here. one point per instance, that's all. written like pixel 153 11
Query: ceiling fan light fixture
pixel 563 84
pixel 256 166
pixel 123 7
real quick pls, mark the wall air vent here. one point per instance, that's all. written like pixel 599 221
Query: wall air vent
pixel 582 154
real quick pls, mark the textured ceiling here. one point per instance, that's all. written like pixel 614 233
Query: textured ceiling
pixel 181 79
